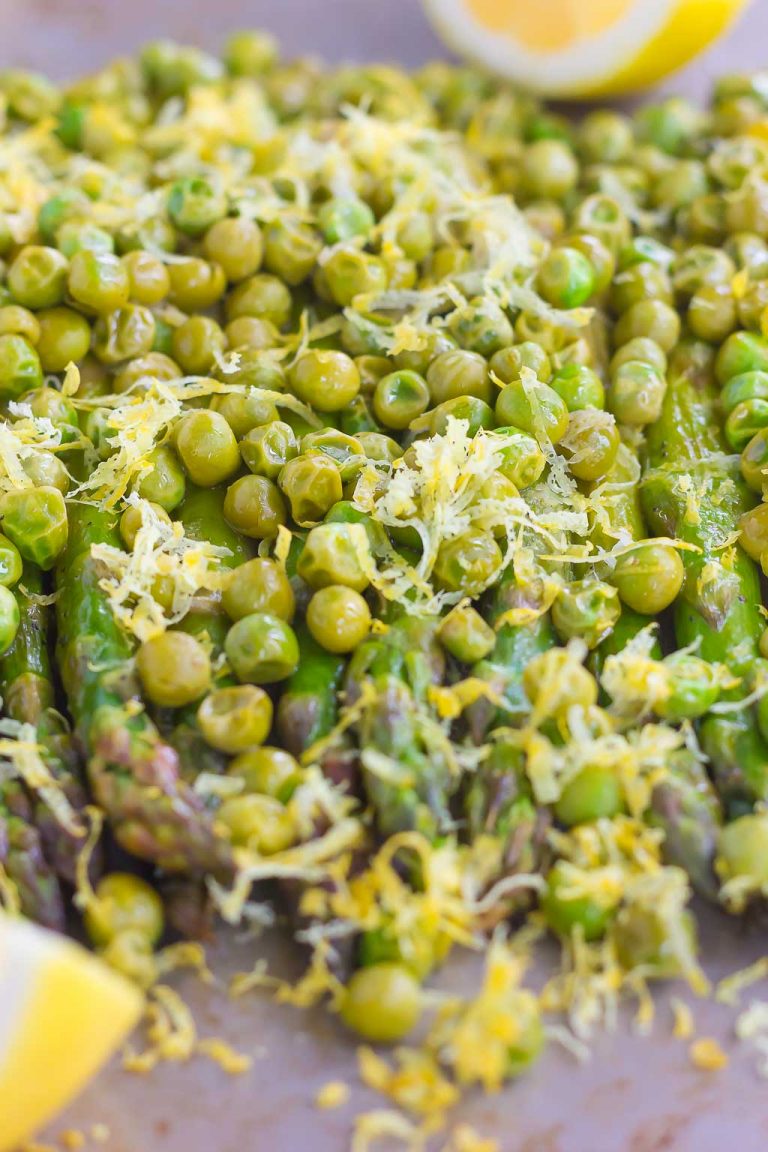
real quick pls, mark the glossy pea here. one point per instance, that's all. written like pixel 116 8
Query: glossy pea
pixel 261 648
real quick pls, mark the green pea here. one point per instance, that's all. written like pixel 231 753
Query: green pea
pixel 747 418
pixel 258 585
pixel 578 386
pixel 741 352
pixel 326 380
pixel 65 337
pixel 341 218
pixel 9 619
pixel 138 374
pixel 20 368
pixel 587 609
pixel 593 794
pixel 236 718
pixel 245 411
pixel 468 563
pixel 338 618
pixel 481 326
pixel 164 484
pixel 644 281
pixel 11 564
pixel 549 170
pixel 335 553
pixel 291 248
pixel 50 404
pixel 522 458
pixel 194 204
pixel 261 649
pixel 564 912
pixel 754 461
pixel 652 318
pixel 694 686
pixel 643 939
pixel 459 373
pixel 312 485
pixel 507 363
pixel 535 408
pixel 37 277
pixel 476 412
pixel 207 447
pixel 195 285
pixel 174 669
pixel 741 850
pixel 637 393
pixel 349 273
pixel 712 313
pixel 125 334
pixel 250 53
pixel 254 506
pixel 80 236
pixel 399 398
pixel 54 211
pixel 345 451
pixel 465 634
pixel 649 577
pixel 149 281
pixel 35 520
pixel 98 281
pixel 382 1003
pixel 20 322
pixel 197 343
pixel 268 448
pixel 236 245
pixel 566 278
pixel 265 297
pixel 639 349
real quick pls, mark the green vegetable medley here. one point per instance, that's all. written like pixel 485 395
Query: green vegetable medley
pixel 380 493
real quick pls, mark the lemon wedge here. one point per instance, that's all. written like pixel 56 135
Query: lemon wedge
pixel 582 47
pixel 62 1013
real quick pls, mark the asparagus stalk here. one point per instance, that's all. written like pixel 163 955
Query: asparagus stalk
pixel 134 774
pixel 25 863
pixel 693 491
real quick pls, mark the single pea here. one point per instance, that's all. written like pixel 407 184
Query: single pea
pixel 343 217
pixel 148 279
pixel 741 352
pixel 639 349
pixel 138 374
pixel 236 245
pixel 753 531
pixel 377 446
pixel 11 564
pixel 125 334
pixel 251 332
pixel 269 771
pixel 9 618
pixel 643 939
pixel 458 373
pixel 197 343
pixel 46 470
pixel 747 418
pixel 565 912
pixel 594 793
pixel 578 386
pixel 19 321
pixel 123 903
pixel 207 447
pixel 468 563
pixel 174 669
pixel 20 368
pixel 476 412
pixel 98 281
pixel 80 236
pixel 194 204
pixel 587 609
pixel 234 719
pixel 50 404
pixel 694 686
pixel 481 326
pixel 605 136
pixel 754 461
pixel 712 313
pixel 345 451
pixel 465 635
pixel 507 363
pixel 262 296
pixel 649 577
pixel 261 648
pixel 65 337
pixel 196 284
pixel 599 255
pixel 245 411
pixel 164 484
pixel 549 170
pixel 54 211
pixel 566 278
pixel 35 519
pixel 267 448
pixel 399 398
pixel 250 53
pixel 741 850
pixel 37 277
pixel 132 519
pixel 335 553
pixel 601 216
pixel 254 506
pixel 652 318
pixel 326 380
pixel 338 618
pixel 382 1003
pixel 312 485
pixel 258 585
pixel 534 408
pixel 643 281
pixel 637 393
pixel 259 823
pixel 349 273
pixel 291 248
pixel 432 344
pixel 747 386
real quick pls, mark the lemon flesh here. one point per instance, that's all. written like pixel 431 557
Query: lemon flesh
pixel 62 1014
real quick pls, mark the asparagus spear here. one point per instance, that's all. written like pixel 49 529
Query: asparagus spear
pixel 693 491
pixel 133 773
pixel 28 692
pixel 22 857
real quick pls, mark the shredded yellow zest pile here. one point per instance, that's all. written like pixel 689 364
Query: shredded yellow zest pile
pixel 162 556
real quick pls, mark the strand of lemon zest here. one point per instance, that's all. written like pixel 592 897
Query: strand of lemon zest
pixel 85 896
pixel 387 1124
pixel 450 701
pixel 10 900
pixel 187 954
pixel 464 1138
pixel 172 1037
pixel 413 1081
pixel 334 1094
pixel 683 1023
pixel 730 988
